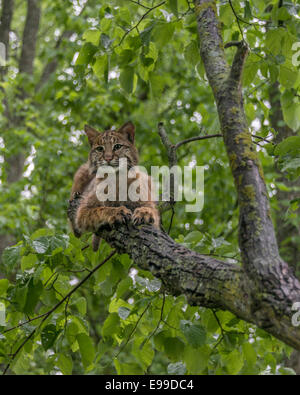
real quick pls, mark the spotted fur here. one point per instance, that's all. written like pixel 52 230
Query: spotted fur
pixel 86 212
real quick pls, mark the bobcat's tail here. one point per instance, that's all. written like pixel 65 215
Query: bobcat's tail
pixel 96 240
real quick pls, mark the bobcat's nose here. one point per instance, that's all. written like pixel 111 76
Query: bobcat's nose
pixel 108 158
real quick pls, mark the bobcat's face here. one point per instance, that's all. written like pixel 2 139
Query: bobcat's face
pixel 109 147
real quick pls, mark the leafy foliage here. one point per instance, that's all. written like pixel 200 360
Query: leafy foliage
pixel 121 64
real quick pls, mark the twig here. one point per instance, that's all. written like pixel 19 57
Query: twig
pixel 133 330
pixel 262 138
pixel 172 158
pixel 171 150
pixel 171 220
pixel 238 62
pixel 140 4
pixel 237 19
pixel 221 328
pixel 140 20
pixel 159 321
pixel 209 136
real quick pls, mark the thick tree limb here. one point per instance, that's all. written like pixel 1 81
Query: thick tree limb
pixel 209 282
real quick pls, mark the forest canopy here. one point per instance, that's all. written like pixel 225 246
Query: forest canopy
pixel 206 83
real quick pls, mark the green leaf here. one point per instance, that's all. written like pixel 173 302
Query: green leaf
pixel 28 261
pixel 292 164
pixel 48 336
pixel 154 285
pixel 128 368
pixel 145 35
pixel 193 237
pixel 123 312
pixel 163 33
pixel 191 53
pixel 65 364
pixel 126 57
pixel 196 359
pixel 249 353
pixel 273 41
pixel 86 54
pixel 58 243
pixel 288 75
pixel 86 348
pixel 195 334
pixel 173 4
pixel 173 347
pixel 4 283
pixel 40 245
pixel 234 362
pixel 35 289
pixel 105 41
pixel 92 36
pixel 144 353
pixel 251 67
pixel 127 79
pixel 287 371
pixel 20 296
pixel 288 145
pixel 157 85
pixel 177 368
pixel 247 10
pixel 291 110
pixel 124 286
pixel 283 14
pixel 10 258
pixel 101 67
pixel 80 304
pixel 111 325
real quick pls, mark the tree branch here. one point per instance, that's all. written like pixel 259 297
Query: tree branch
pixel 209 282
pixel 238 62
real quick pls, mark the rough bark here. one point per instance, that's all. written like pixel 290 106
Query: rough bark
pixel 208 282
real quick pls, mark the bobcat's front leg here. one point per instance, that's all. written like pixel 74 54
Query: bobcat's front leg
pixel 90 219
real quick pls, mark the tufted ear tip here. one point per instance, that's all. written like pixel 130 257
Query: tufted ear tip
pixel 91 133
pixel 128 129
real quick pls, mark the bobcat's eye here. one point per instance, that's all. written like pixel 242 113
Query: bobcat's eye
pixel 99 148
pixel 117 146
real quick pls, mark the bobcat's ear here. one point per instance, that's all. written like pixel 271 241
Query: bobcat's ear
pixel 128 131
pixel 91 133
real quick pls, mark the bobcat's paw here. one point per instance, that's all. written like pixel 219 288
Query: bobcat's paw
pixel 120 215
pixel 143 215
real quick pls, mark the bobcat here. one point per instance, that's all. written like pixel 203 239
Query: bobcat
pixel 89 214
